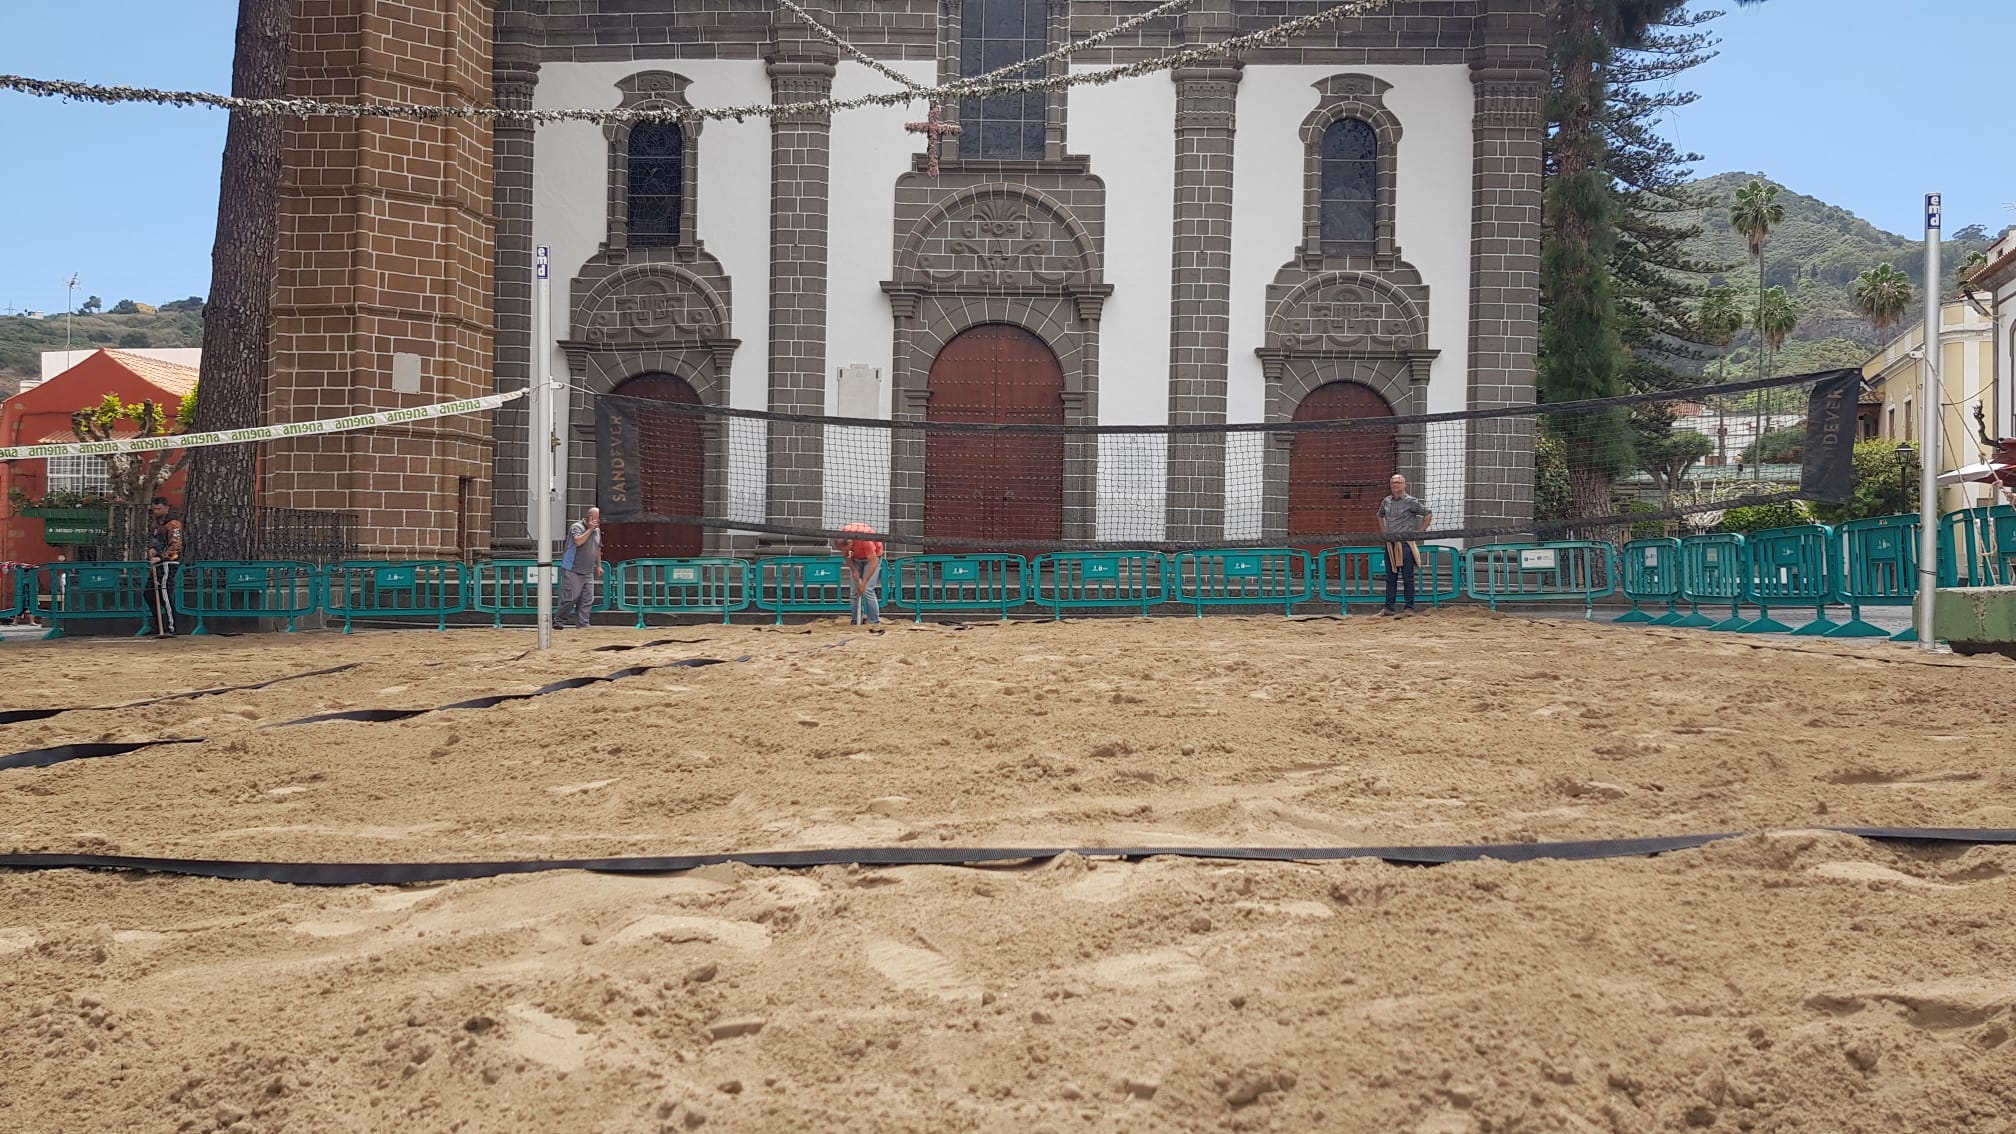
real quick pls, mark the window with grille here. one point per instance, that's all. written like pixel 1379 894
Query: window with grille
pixel 994 34
pixel 1350 188
pixel 657 183
pixel 79 474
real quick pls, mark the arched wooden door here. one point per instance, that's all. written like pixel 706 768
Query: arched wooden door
pixel 981 488
pixel 1336 477
pixel 673 480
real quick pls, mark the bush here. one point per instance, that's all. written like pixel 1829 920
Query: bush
pixel 1758 517
pixel 1650 529
pixel 1778 446
pixel 133 340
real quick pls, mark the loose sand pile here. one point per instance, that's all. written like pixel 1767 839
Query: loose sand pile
pixel 1790 981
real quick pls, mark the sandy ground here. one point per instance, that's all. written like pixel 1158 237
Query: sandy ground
pixel 1789 980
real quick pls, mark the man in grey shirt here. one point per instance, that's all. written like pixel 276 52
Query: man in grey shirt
pixel 1401 514
pixel 580 568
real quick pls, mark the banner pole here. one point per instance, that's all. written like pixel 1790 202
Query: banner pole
pixel 540 437
pixel 1928 434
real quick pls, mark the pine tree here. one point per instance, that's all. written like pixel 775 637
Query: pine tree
pixel 237 317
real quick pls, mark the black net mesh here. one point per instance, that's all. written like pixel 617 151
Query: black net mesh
pixel 1007 477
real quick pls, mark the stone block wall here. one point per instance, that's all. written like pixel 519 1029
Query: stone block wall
pixel 387 246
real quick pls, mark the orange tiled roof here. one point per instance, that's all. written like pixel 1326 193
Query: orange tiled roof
pixel 172 378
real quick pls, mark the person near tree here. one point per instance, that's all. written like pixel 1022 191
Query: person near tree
pixel 1401 514
pixel 164 559
pixel 864 573
pixel 580 570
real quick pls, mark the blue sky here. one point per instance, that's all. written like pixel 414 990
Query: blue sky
pixel 1858 102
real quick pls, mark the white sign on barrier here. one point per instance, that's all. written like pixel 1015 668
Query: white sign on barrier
pixel 1539 559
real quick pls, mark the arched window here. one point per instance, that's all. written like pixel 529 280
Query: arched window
pixel 994 34
pixel 657 183
pixel 1350 190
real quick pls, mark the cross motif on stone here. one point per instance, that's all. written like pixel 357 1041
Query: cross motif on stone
pixel 936 131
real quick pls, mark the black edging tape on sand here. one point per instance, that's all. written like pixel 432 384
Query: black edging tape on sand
pixel 380 716
pixel 18 716
pixel 43 757
pixel 394 874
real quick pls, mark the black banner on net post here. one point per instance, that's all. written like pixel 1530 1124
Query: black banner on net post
pixel 1829 474
pixel 618 460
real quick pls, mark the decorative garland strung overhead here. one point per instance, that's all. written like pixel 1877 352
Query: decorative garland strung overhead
pixel 977 87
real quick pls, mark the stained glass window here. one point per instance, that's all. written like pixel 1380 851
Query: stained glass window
pixel 1350 188
pixel 657 183
pixel 994 34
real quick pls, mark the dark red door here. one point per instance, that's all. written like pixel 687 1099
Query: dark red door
pixel 674 476
pixel 981 488
pixel 1336 477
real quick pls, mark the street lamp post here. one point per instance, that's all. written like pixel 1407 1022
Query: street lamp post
pixel 1905 455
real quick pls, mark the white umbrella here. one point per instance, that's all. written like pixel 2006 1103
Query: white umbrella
pixel 1972 474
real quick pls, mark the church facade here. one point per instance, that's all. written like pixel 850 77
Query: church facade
pixel 1345 224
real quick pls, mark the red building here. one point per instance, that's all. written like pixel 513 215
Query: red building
pixel 40 415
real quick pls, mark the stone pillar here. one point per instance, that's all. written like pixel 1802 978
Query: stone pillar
pixel 800 70
pixel 1504 288
pixel 514 73
pixel 387 248
pixel 1200 297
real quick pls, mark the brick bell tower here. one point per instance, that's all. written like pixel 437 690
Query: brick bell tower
pixel 382 298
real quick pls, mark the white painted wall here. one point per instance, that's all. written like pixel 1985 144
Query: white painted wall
pixel 570 202
pixel 1431 226
pixel 870 151
pixel 1126 129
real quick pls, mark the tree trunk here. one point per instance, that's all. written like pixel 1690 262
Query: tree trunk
pixel 237 319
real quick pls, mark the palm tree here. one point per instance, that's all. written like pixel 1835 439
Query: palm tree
pixel 1717 320
pixel 1755 213
pixel 1882 294
pixel 1969 266
pixel 1776 320
pixel 237 319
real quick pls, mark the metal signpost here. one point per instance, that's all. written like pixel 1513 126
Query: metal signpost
pixel 1928 436
pixel 541 438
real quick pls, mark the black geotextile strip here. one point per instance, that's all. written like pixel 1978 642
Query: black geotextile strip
pixel 379 716
pixel 17 716
pixel 43 757
pixel 393 874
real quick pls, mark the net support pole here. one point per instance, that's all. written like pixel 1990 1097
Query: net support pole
pixel 1928 435
pixel 540 437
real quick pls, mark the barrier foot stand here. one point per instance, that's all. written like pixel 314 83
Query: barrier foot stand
pixel 1820 627
pixel 1633 615
pixel 1733 624
pixel 1855 627
pixel 1695 620
pixel 1765 624
pixel 55 631
pixel 1908 634
pixel 1672 617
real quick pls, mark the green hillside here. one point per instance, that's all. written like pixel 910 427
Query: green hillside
pixel 22 340
pixel 1815 255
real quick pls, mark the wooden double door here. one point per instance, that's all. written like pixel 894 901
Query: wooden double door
pixel 980 488
pixel 1336 477
pixel 673 479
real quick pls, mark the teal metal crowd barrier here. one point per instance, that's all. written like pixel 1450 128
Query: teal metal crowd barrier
pixel 1351 576
pixel 73 592
pixel 945 583
pixel 265 589
pixel 1083 580
pixel 1270 576
pixel 1713 570
pixel 427 588
pixel 1879 558
pixel 1980 544
pixel 1792 567
pixel 1651 570
pixel 16 587
pixel 502 587
pixel 1555 571
pixel 809 584
pixel 707 585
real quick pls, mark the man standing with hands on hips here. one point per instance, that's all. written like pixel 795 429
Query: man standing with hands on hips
pixel 580 569
pixel 1401 514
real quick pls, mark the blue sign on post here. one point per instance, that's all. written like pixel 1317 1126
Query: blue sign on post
pixel 1932 211
pixel 544 268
